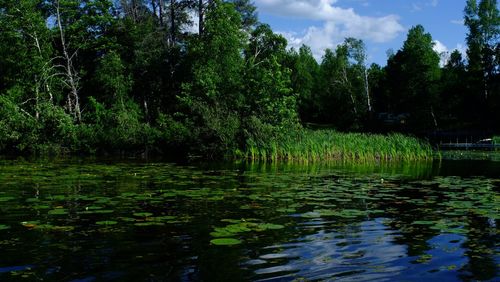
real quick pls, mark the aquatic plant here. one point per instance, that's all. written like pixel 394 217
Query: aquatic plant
pixel 314 145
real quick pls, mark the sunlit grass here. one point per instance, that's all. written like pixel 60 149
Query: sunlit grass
pixel 315 145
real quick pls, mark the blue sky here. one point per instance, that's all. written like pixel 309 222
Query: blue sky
pixel 382 24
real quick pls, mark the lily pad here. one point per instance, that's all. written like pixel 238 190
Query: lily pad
pixel 4 227
pixel 225 242
pixel 269 226
pixel 142 214
pixel 423 222
pixel 63 228
pixel 222 233
pixel 41 207
pixel 58 212
pixel 30 224
pixel 106 222
pixel 6 199
pixel 149 223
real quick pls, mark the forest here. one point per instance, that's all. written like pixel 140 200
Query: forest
pixel 206 78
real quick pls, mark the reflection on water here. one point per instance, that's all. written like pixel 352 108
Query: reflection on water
pixel 115 220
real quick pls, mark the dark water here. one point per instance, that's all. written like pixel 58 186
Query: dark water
pixel 73 220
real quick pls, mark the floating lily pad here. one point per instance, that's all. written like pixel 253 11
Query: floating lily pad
pixel 424 258
pixel 96 212
pixel 310 215
pixel 30 224
pixel 106 222
pixel 44 227
pixel 103 201
pixel 286 210
pixel 269 226
pixel 32 200
pixel 41 207
pixel 127 219
pixel 423 222
pixel 62 228
pixel 149 223
pixel 225 242
pixel 142 214
pixel 163 218
pixel 58 212
pixel 129 194
pixel 222 233
pixel 6 199
pixel 143 198
pixel 4 227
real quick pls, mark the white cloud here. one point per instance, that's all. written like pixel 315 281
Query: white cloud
pixel 439 47
pixel 419 6
pixel 444 52
pixel 415 7
pixel 338 23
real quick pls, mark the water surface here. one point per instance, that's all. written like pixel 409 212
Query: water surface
pixel 84 220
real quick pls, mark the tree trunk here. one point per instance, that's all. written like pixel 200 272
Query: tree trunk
pixel 347 85
pixel 367 91
pixel 46 84
pixel 201 11
pixel 161 12
pixel 172 22
pixel 73 98
pixel 154 7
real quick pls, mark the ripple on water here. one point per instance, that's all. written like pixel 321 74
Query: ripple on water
pixel 362 251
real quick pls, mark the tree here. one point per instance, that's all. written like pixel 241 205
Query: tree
pixel 248 13
pixel 357 52
pixel 454 101
pixel 413 75
pixel 26 53
pixel 71 78
pixel 483 22
pixel 344 86
pixel 269 95
pixel 305 71
pixel 213 97
pixel 377 85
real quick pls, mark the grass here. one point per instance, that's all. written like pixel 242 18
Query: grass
pixel 496 140
pixel 316 145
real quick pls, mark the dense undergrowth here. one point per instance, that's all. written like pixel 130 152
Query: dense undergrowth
pixel 119 130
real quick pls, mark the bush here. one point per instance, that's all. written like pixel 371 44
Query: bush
pixel 18 129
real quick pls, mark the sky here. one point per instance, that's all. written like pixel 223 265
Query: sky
pixel 381 24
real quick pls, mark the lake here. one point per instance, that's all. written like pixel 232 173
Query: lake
pixel 126 220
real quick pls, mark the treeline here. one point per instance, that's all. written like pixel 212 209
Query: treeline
pixel 204 77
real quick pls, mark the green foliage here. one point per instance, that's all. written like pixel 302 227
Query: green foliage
pixel 305 71
pixel 313 145
pixel 110 76
pixel 118 127
pixel 413 75
pixel 268 89
pixel 56 127
pixel 17 127
pixel 50 130
pixel 114 76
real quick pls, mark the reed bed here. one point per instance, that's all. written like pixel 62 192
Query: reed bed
pixel 317 145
